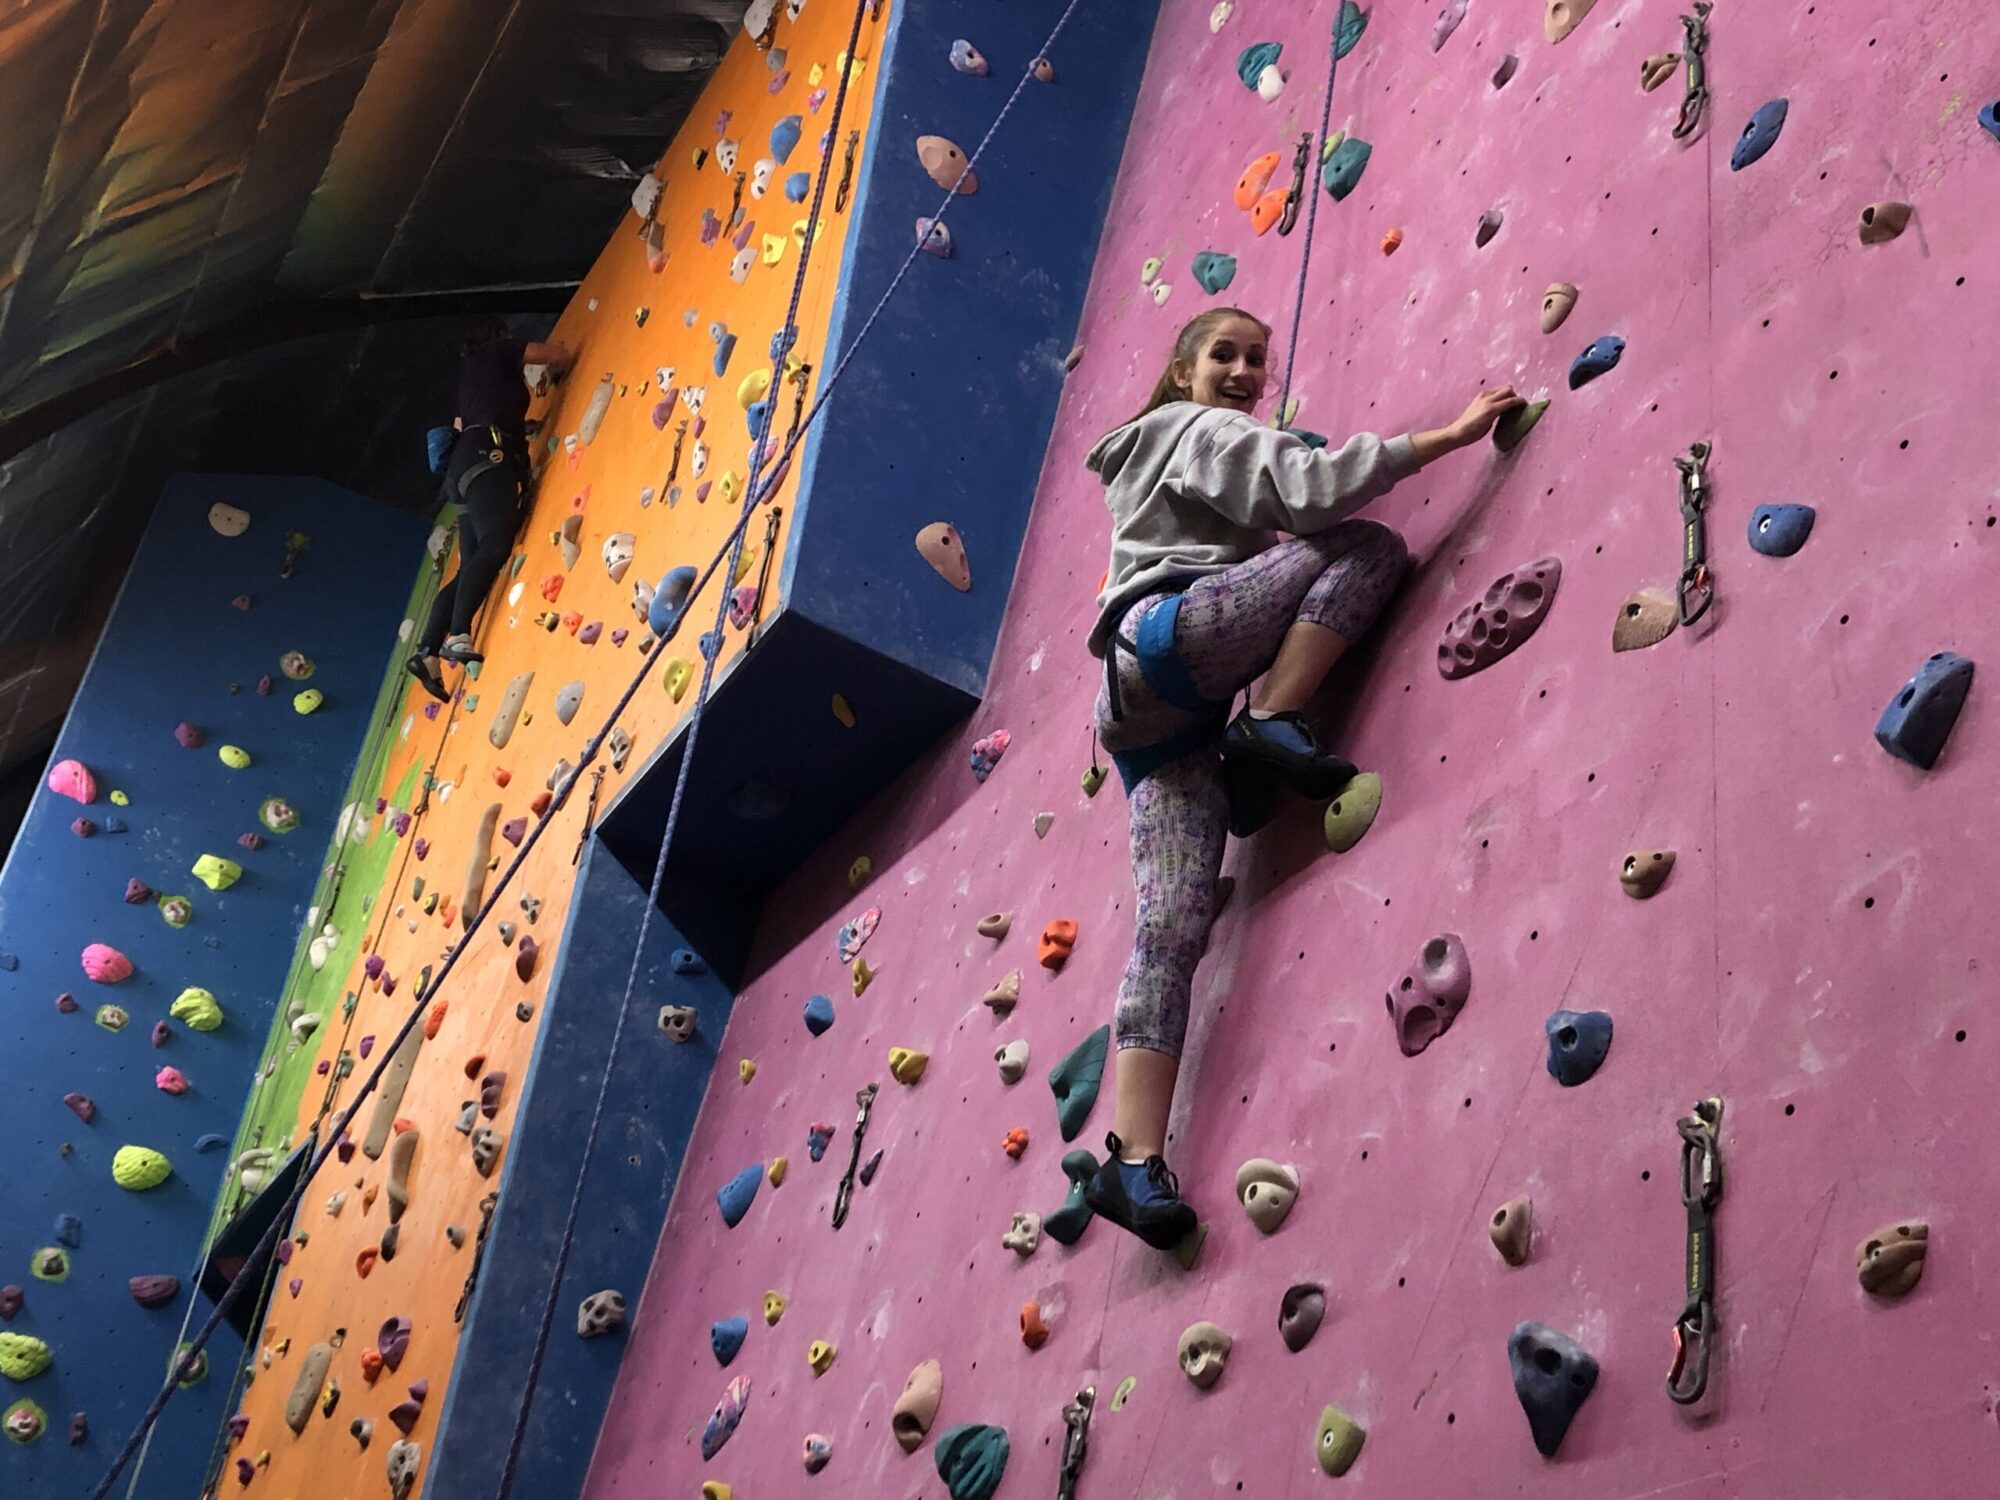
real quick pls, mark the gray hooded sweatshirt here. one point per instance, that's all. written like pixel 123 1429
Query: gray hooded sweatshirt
pixel 1196 489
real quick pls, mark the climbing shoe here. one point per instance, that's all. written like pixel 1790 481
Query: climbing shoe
pixel 425 671
pixel 1286 743
pixel 463 654
pixel 1251 788
pixel 1141 1197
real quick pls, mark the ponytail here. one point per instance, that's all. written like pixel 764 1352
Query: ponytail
pixel 1187 347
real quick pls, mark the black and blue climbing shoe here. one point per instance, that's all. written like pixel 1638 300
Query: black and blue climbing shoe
pixel 1141 1197
pixel 464 655
pixel 1252 790
pixel 1286 743
pixel 424 669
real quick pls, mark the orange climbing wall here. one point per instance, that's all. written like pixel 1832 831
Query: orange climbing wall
pixel 605 481
pixel 1819 957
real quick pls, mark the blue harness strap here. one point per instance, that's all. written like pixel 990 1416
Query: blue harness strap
pixel 1165 673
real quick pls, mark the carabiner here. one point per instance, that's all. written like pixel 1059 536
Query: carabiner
pixel 1301 161
pixel 1695 46
pixel 1701 1191
pixel 1076 1441
pixel 1696 592
pixel 864 1100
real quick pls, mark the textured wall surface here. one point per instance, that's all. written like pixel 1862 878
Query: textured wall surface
pixel 176 649
pixel 1818 957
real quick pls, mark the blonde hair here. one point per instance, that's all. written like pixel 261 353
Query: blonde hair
pixel 1187 347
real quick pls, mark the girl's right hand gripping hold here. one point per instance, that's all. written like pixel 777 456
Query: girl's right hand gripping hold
pixel 1473 424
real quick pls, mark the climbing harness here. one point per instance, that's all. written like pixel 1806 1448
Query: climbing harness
pixel 495 457
pixel 589 814
pixel 847 173
pixel 1696 591
pixel 1295 195
pixel 1701 1191
pixel 1695 48
pixel 486 1206
pixel 865 1100
pixel 1076 1441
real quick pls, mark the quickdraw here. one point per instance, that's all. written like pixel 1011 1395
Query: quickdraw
pixel 1697 591
pixel 1701 1191
pixel 1301 164
pixel 1695 48
pixel 1076 1441
pixel 589 814
pixel 736 202
pixel 674 463
pixel 800 378
pixel 777 514
pixel 486 1206
pixel 864 1099
pixel 846 173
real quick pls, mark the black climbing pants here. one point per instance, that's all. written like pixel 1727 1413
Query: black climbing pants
pixel 490 494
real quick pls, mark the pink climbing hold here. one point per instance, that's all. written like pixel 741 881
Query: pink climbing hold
pixel 743 605
pixel 1506 615
pixel 253 840
pixel 170 1080
pixel 66 1003
pixel 241 601
pixel 72 779
pixel 81 1106
pixel 1428 998
pixel 986 753
pixel 137 892
pixel 105 964
pixel 854 934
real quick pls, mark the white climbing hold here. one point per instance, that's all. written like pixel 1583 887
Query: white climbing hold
pixel 1219 17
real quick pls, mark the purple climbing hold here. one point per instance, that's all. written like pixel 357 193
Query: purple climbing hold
pixel 154 1291
pixel 491 1087
pixel 284 1252
pixel 372 967
pixel 66 1003
pixel 393 1340
pixel 161 1033
pixel 12 1300
pixel 935 238
pixel 83 828
pixel 1429 997
pixel 1506 615
pixel 421 848
pixel 295 1285
pixel 79 1429
pixel 81 1106
pixel 514 830
pixel 868 1167
pixel 404 1414
pixel 190 736
pixel 137 892
pixel 264 686
pixel 588 635
pixel 344 1148
pixel 253 840
pixel 365 1046
pixel 401 824
pixel 968 59
pixel 238 1426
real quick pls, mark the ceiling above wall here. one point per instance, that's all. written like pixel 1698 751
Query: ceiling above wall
pixel 243 234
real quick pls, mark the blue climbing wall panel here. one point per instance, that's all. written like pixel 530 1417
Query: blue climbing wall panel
pixel 654 1093
pixel 944 412
pixel 177 648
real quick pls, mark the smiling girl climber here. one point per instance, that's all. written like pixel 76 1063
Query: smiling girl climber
pixel 1200 602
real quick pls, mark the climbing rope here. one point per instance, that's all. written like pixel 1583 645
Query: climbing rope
pixel 1312 220
pixel 731 549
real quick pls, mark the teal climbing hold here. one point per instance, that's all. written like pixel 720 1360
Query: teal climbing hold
pixel 1075 1080
pixel 1213 271
pixel 1347 28
pixel 725 1337
pixel 971 1459
pixel 1066 1225
pixel 1342 172
pixel 734 1196
pixel 1254 59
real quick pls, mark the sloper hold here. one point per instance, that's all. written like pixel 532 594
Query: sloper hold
pixel 509 712
pixel 306 1386
pixel 1075 1081
pixel 1066 1225
pixel 1512 1229
pixel 1760 135
pixel 1891 1260
pixel 1487 227
pixel 1780 530
pixel 971 1458
pixel 1339 1441
pixel 734 1196
pixel 725 1338
pixel 1254 59
pixel 389 1094
pixel 1578 1044
pixel 1012 1058
pixel 1506 615
pixel 1344 166
pixel 946 164
pixel 939 545
pixel 1644 871
pixel 916 1409
pixel 1267 1191
pixel 1563 17
pixel 1429 996
pixel 569 698
pixel 1647 617
pixel 1553 1377
pixel 1300 1312
pixel 1600 357
pixel 1350 815
pixel 1919 719
pixel 402 1152
pixel 1213 271
pixel 1556 304
pixel 1514 426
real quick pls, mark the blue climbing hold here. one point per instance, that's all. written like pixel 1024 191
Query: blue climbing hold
pixel 1602 356
pixel 783 340
pixel 758 417
pixel 1342 172
pixel 971 1458
pixel 724 347
pixel 1760 135
pixel 1213 271
pixel 819 1017
pixel 1780 530
pixel 726 1335
pixel 210 1142
pixel 798 186
pixel 1989 119
pixel 968 59
pixel 1578 1042
pixel 816 1138
pixel 1347 28
pixel 69 1230
pixel 687 961
pixel 1918 720
pixel 734 1196
pixel 785 138
pixel 711 643
pixel 1553 1376
pixel 1254 59
pixel 669 600
pixel 437 443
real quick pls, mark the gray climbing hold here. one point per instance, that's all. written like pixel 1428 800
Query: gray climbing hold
pixel 1647 617
pixel 486 1143
pixel 306 1386
pixel 1578 1044
pixel 1075 1081
pixel 1447 22
pixel 403 1460
pixel 1488 226
pixel 1780 530
pixel 569 698
pixel 1919 719
pixel 509 712
pixel 1553 1376
pixel 971 1458
pixel 389 1094
pixel 1066 1225
pixel 600 1313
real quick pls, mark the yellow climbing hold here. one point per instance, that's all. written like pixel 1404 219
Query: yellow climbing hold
pixel 774 249
pixel 746 1070
pixel 1124 1392
pixel 779 1166
pixel 714 1489
pixel 820 1356
pixel 196 1009
pixel 728 487
pixel 906 1066
pixel 774 1308
pixel 675 675
pixel 754 388
pixel 23 1357
pixel 859 871
pixel 235 757
pixel 217 873
pixel 863 975
pixel 840 65
pixel 307 701
pixel 136 1168
pixel 817 73
pixel 842 710
pixel 743 563
pixel 119 799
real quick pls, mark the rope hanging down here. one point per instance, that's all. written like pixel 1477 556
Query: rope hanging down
pixel 1312 209
pixel 263 1251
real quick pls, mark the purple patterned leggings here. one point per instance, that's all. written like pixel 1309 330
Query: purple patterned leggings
pixel 1230 627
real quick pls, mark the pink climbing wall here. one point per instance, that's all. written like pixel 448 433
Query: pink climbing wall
pixel 1819 956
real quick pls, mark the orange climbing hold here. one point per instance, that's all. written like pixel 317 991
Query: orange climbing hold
pixel 1256 177
pixel 1016 1142
pixel 1058 938
pixel 572 620
pixel 541 803
pixel 475 1065
pixel 1391 241
pixel 1034 1332
pixel 363 1264
pixel 552 586
pixel 435 1019
pixel 501 775
pixel 371 1357
pixel 1269 210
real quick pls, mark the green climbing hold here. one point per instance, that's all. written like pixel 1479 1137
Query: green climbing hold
pixel 1213 271
pixel 971 1458
pixel 113 1017
pixel 23 1356
pixel 1515 425
pixel 196 1009
pixel 1075 1080
pixel 189 1366
pixel 306 702
pixel 217 873
pixel 1124 1392
pixel 176 911
pixel 1347 28
pixel 137 1168
pixel 50 1263
pixel 235 757
pixel 1338 1442
pixel 24 1422
pixel 1350 815
pixel 278 815
pixel 1342 172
